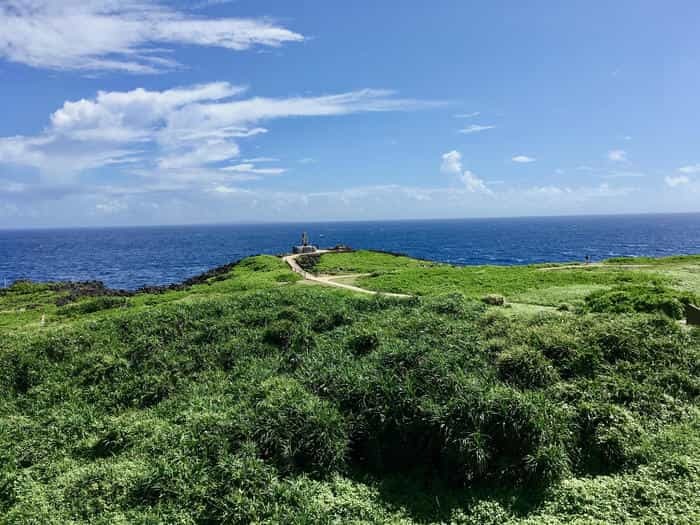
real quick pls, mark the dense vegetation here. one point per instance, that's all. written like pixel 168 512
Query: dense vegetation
pixel 249 398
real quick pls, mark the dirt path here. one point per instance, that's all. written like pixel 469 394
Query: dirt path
pixel 330 280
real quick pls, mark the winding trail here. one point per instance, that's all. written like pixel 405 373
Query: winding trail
pixel 329 280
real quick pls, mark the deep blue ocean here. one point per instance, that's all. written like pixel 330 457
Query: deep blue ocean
pixel 132 257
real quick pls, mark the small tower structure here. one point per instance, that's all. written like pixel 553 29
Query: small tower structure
pixel 305 246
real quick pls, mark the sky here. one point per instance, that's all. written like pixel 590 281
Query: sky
pixel 145 112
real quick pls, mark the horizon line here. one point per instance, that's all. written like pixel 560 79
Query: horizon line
pixel 339 221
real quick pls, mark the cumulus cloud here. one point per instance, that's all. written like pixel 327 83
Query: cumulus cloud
pixel 182 134
pixel 523 159
pixel 474 183
pixel 475 128
pixel 674 181
pixel 617 155
pixel 452 165
pixel 129 36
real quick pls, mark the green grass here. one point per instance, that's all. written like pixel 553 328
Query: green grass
pixel 400 274
pixel 252 399
pixel 656 261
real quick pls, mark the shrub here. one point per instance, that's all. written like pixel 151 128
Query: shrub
pixel 526 368
pixel 506 435
pixel 326 321
pixel 280 332
pixel 97 304
pixel 609 436
pixel 448 304
pixel 363 343
pixel 296 430
pixel 643 299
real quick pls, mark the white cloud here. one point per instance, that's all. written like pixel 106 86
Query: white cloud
pixel 181 134
pixel 570 194
pixel 467 115
pixel 224 200
pixel 251 168
pixel 474 183
pixel 261 159
pixel 475 128
pixel 112 206
pixel 674 181
pixel 452 165
pixel 227 190
pixel 625 175
pixel 523 159
pixel 127 36
pixel 689 170
pixel 202 154
pixel 617 155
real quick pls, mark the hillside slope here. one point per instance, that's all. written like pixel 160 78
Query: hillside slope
pixel 252 397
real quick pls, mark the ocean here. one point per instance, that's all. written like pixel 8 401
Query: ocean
pixel 131 257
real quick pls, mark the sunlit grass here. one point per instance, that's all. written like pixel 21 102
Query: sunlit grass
pixel 253 399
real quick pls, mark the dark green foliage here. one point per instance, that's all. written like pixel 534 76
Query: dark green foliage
pixel 308 261
pixel 363 343
pixel 273 403
pixel 502 434
pixel 296 430
pixel 646 299
pixel 96 304
pixel 280 333
pixel 449 304
pixel 526 368
pixel 610 437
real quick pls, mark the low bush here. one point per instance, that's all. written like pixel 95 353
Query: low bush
pixel 610 437
pixel 296 430
pixel 526 368
pixel 448 304
pixel 503 434
pixel 97 304
pixel 644 299
pixel 363 343
pixel 280 333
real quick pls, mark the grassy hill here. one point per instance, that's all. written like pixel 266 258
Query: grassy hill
pixel 534 394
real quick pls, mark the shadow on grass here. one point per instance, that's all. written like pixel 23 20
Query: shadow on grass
pixel 427 500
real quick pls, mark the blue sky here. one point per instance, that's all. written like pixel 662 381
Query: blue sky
pixel 144 112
